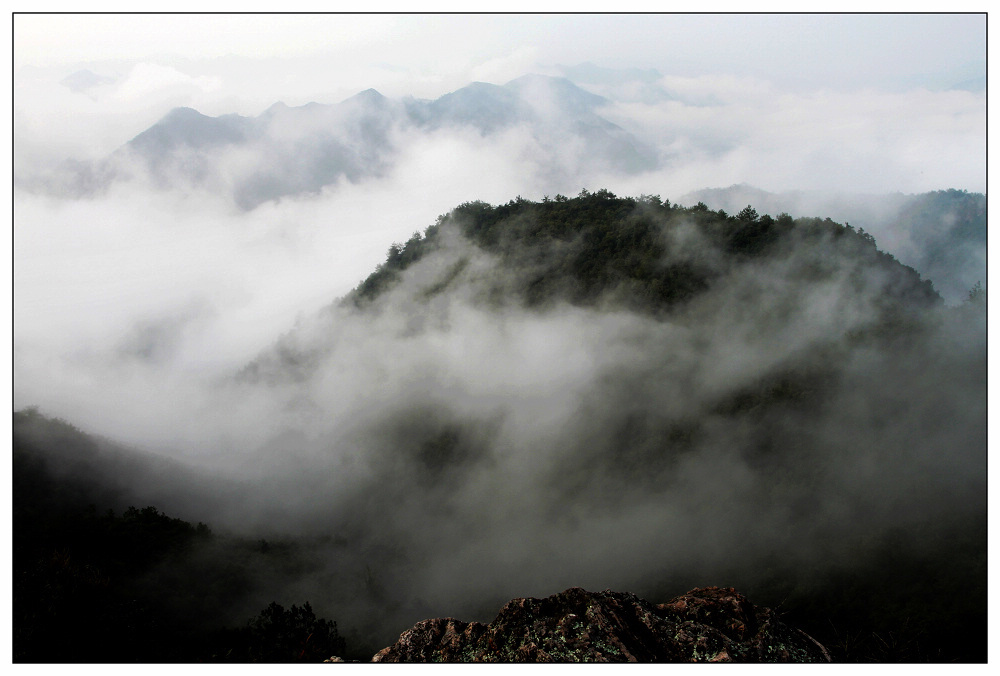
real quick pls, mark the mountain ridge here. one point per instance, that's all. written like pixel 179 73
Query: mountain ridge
pixel 597 392
pixel 598 250
pixel 289 151
pixel 941 233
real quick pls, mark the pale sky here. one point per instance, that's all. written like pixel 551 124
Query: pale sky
pixel 243 63
pixel 817 50
pixel 131 305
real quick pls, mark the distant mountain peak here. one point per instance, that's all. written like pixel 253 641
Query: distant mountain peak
pixel 368 97
pixel 567 96
pixel 302 148
pixel 976 84
pixel 185 126
pixel 478 84
pixel 182 113
pixel 370 93
pixel 275 107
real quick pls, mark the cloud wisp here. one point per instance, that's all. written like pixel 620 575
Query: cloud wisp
pixel 448 453
pixel 463 452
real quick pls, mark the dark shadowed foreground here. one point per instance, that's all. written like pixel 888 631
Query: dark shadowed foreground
pixel 704 625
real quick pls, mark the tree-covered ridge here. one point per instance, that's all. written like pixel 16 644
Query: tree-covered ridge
pixel 95 585
pixel 524 382
pixel 643 255
pixel 598 248
pixel 941 233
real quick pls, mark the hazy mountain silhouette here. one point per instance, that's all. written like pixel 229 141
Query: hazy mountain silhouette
pixel 287 151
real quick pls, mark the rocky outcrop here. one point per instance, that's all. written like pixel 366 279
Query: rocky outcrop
pixel 705 625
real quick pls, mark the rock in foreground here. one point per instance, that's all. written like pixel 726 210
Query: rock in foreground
pixel 709 624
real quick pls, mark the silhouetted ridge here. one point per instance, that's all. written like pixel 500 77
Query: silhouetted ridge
pixel 187 127
pixel 300 150
pixel 599 249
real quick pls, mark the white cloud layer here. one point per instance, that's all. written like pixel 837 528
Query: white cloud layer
pixel 133 307
pixel 90 273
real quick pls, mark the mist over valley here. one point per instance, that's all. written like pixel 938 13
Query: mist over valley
pixel 384 357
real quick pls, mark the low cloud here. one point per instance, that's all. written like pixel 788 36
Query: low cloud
pixel 92 274
pixel 470 454
pixel 720 131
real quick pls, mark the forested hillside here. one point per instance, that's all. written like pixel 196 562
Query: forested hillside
pixel 641 255
pixel 598 247
pixel 603 392
pixel 942 233
pixel 97 583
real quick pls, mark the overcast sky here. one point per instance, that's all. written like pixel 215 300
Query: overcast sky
pixel 807 50
pixel 859 103
pixel 243 63
pixel 858 50
pixel 131 305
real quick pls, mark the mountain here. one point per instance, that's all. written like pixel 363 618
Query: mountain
pixel 741 381
pixel 486 107
pixel 614 393
pixel 942 234
pixel 93 470
pixel 287 151
pixel 187 128
pixel 643 256
pixel 704 625
pixel 283 151
pixel 124 584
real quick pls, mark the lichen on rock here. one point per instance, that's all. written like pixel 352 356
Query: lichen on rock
pixel 710 624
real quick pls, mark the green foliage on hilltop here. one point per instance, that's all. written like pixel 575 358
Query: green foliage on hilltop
pixel 398 258
pixel 598 249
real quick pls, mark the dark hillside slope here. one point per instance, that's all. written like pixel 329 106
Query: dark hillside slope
pixel 619 393
pixel 97 582
pixel 636 255
pixel 711 397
